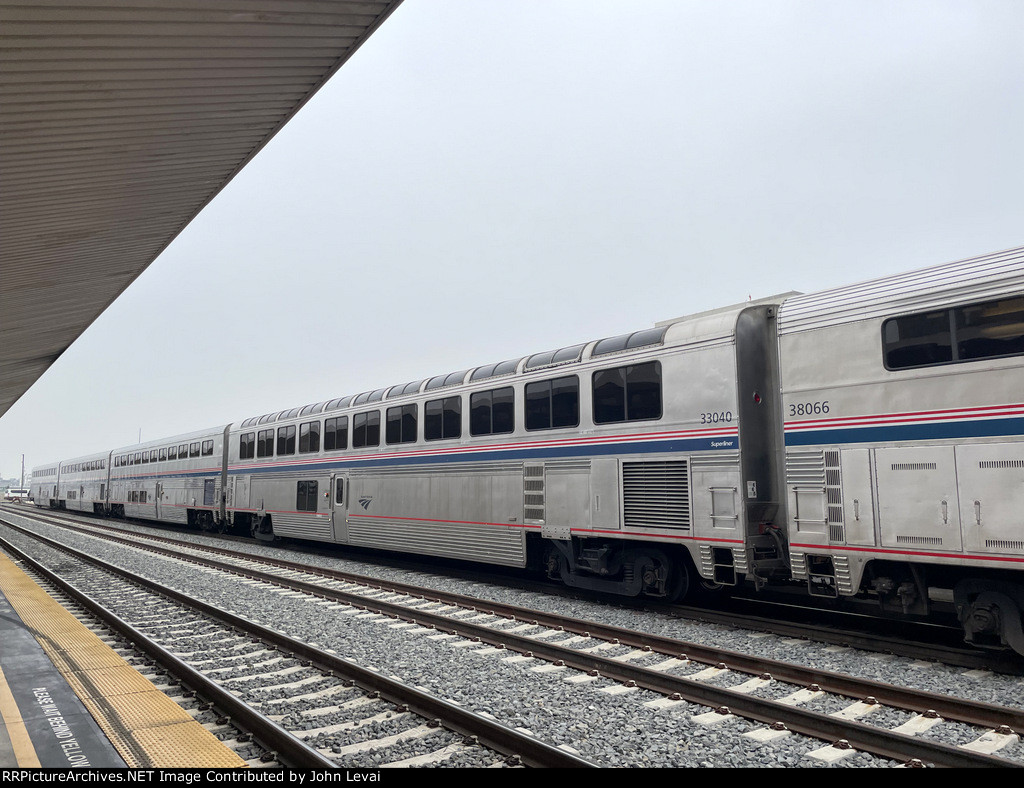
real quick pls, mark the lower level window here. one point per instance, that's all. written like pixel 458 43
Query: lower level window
pixel 306 496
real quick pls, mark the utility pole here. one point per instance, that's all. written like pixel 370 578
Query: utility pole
pixel 23 471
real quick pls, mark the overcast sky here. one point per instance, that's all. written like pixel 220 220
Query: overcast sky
pixel 487 179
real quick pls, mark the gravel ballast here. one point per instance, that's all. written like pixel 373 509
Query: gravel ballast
pixel 608 730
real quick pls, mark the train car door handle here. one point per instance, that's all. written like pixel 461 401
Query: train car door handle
pixel 945 513
pixel 977 512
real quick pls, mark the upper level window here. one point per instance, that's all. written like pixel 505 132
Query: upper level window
pixel 182 451
pixel 629 393
pixel 401 424
pixel 265 443
pixel 207 448
pixel 366 429
pixel 163 454
pixel 336 433
pixel 966 333
pixel 918 340
pixel 286 440
pixel 442 418
pixel 172 453
pixel 193 449
pixel 309 437
pixel 247 445
pixel 492 412
pixel 553 403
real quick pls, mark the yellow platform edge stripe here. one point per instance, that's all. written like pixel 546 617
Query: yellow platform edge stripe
pixel 157 733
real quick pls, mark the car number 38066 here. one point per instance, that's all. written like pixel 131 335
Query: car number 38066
pixel 808 408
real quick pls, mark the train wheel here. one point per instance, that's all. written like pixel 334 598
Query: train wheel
pixel 262 528
pixel 990 612
pixel 664 578
pixel 679 584
pixel 708 590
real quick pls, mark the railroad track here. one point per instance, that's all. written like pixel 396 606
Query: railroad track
pixel 244 669
pixel 763 691
pixel 912 639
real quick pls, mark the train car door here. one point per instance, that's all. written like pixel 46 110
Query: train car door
pixel 158 498
pixel 339 506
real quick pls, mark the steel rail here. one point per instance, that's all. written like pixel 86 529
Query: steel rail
pixel 268 734
pixel 477 728
pixel 859 736
pixel 1000 661
pixel 921 701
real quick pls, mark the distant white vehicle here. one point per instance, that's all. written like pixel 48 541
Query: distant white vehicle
pixel 16 495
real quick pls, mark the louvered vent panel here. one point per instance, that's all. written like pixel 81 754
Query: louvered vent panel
pixel 533 493
pixel 1001 464
pixel 934 541
pixel 1003 544
pixel 834 498
pixel 656 494
pixel 805 468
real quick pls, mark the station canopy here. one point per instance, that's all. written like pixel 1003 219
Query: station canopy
pixel 119 121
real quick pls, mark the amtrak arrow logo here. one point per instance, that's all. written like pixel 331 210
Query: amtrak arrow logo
pixel 364 501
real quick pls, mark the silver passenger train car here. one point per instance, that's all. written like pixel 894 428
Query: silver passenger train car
pixel 903 406
pixel 861 442
pixel 177 480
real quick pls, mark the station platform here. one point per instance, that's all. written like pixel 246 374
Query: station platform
pixel 67 699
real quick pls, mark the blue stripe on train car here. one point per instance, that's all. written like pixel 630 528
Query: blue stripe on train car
pixel 978 428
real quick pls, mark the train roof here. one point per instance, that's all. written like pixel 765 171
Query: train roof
pixel 96 455
pixel 158 443
pixel 688 329
pixel 988 276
